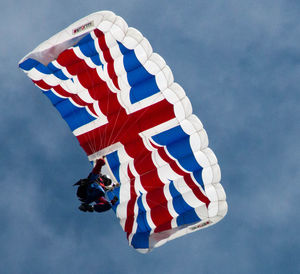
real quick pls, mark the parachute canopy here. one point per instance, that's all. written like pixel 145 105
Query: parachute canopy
pixel 120 100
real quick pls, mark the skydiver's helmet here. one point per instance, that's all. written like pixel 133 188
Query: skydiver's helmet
pixel 108 184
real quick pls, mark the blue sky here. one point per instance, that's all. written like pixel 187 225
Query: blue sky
pixel 239 62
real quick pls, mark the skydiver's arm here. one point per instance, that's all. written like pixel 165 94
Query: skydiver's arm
pixel 94 174
pixel 99 164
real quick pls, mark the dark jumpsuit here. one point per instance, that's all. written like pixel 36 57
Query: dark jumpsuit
pixel 95 192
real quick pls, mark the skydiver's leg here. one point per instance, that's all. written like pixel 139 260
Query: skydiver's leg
pixel 102 205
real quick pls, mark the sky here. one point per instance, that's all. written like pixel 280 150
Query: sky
pixel 239 63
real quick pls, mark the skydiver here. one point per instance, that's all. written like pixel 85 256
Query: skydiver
pixel 93 188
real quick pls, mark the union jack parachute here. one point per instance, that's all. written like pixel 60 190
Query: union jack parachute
pixel 120 100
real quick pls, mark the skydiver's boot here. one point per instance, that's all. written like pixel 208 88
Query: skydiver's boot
pixel 114 200
pixel 86 207
pixel 82 207
pixel 90 208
